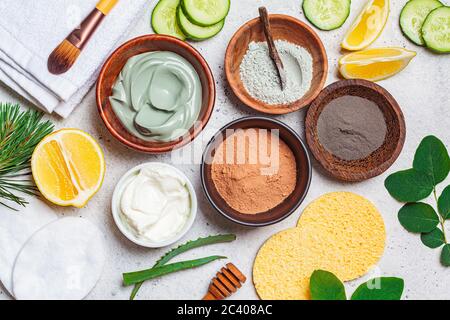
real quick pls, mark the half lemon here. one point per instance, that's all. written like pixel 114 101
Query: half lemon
pixel 68 167
pixel 375 64
pixel 368 26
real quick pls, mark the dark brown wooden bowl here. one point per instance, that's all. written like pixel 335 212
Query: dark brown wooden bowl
pixel 283 28
pixel 288 206
pixel 377 162
pixel 114 65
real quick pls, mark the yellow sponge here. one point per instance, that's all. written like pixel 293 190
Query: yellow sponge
pixel 340 232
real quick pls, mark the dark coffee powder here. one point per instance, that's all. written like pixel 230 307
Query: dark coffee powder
pixel 351 127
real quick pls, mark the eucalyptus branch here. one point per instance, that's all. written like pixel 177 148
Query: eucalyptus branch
pixel 441 220
pixel 431 166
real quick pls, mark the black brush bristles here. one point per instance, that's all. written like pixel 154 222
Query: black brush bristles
pixel 62 58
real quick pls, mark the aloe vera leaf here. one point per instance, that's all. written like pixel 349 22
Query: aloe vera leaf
pixel 144 275
pixel 200 242
pixel 194 244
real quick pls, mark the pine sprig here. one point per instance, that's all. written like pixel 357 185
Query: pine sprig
pixel 20 132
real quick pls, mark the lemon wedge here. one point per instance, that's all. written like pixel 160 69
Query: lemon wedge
pixel 375 64
pixel 368 26
pixel 68 167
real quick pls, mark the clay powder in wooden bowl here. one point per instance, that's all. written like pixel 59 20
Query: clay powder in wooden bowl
pixel 234 187
pixel 294 39
pixel 254 171
pixel 355 129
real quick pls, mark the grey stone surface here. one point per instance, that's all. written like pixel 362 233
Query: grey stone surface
pixel 422 91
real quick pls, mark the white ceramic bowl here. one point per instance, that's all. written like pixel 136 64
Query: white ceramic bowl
pixel 123 225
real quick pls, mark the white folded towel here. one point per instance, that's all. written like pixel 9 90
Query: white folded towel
pixel 31 30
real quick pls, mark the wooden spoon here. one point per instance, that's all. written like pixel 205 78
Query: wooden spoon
pixel 226 282
pixel 273 52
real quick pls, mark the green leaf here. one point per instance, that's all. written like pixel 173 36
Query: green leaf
pixel 433 239
pixel 324 285
pixel 418 217
pixel 445 255
pixel 409 185
pixel 432 158
pixel 380 289
pixel 144 275
pixel 200 242
pixel 444 203
pixel 190 245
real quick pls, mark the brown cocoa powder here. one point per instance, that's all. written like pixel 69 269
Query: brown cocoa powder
pixel 253 179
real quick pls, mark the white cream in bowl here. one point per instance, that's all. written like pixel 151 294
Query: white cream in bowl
pixel 154 205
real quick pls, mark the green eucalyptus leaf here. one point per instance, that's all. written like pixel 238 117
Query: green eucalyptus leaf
pixel 418 217
pixel 409 185
pixel 380 289
pixel 433 239
pixel 445 255
pixel 444 203
pixel 432 158
pixel 324 285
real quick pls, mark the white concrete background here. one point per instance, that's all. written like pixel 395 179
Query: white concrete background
pixel 422 91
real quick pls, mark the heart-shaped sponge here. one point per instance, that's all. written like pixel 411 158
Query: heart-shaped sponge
pixel 340 232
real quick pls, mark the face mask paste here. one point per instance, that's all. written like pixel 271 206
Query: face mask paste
pixel 157 96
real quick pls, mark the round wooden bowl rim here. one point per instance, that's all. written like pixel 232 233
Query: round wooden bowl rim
pixel 204 182
pixel 331 168
pixel 173 144
pixel 283 108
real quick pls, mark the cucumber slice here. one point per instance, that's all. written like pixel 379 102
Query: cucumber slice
pixel 194 31
pixel 436 30
pixel 412 17
pixel 164 19
pixel 327 14
pixel 206 13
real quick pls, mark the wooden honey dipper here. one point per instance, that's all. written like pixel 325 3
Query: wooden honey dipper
pixel 226 282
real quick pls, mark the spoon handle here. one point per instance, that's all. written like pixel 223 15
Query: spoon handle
pixel 274 55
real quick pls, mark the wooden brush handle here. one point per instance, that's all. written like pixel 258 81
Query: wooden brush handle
pixel 267 31
pixel 105 6
pixel 273 52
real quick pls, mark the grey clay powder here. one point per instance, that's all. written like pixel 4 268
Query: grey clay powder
pixel 351 127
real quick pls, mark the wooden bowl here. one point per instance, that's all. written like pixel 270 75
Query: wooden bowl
pixel 283 28
pixel 114 65
pixel 288 206
pixel 377 162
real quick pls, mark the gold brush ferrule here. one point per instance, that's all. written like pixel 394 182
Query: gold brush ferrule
pixel 80 36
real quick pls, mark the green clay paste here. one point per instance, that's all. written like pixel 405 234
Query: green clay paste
pixel 157 96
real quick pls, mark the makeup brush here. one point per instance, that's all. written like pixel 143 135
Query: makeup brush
pixel 65 55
